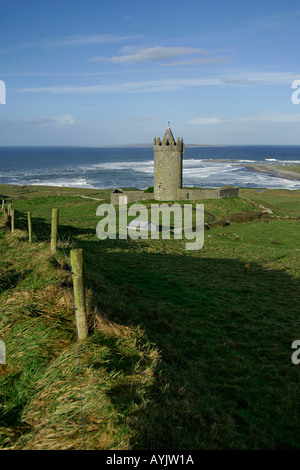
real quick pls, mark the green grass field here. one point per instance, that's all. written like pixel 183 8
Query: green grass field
pixel 187 349
pixel 282 201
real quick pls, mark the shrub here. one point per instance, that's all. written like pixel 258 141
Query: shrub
pixel 149 190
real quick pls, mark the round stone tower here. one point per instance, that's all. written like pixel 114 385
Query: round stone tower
pixel 167 166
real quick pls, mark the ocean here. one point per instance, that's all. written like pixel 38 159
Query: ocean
pixel 114 167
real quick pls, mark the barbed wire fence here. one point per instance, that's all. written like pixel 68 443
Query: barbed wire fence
pixel 73 264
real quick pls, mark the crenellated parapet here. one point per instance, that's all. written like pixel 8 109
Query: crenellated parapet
pixel 169 142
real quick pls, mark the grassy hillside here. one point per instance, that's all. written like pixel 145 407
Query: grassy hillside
pixel 187 349
pixel 282 202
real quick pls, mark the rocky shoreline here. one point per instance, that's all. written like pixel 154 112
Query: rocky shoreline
pixel 272 170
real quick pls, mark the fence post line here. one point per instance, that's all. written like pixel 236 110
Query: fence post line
pixel 80 309
pixel 54 225
pixel 12 220
pixel 29 227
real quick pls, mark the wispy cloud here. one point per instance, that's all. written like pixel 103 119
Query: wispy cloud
pixel 133 55
pixel 239 81
pixel 205 120
pixel 172 84
pixel 147 86
pixel 70 41
pixel 273 78
pixel 197 61
pixel 264 117
pixel 85 40
pixel 272 117
pixel 57 121
pixel 64 120
pixel 144 118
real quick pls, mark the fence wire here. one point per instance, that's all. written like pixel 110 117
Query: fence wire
pixel 77 339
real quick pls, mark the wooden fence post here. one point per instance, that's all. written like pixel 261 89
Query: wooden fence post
pixel 3 203
pixel 80 309
pixel 12 220
pixel 54 225
pixel 29 227
pixel 8 209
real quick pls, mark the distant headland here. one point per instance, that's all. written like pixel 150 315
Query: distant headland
pixel 151 145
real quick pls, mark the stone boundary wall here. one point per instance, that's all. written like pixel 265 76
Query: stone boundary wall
pixel 182 194
pixel 196 194
pixel 229 192
pixel 132 196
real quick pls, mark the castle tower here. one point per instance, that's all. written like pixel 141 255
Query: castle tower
pixel 167 166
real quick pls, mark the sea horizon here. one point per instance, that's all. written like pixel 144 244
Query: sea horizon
pixel 142 145
pixel 117 166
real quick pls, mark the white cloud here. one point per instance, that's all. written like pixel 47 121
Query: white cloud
pixel 205 120
pixel 57 121
pixel 83 40
pixel 264 117
pixel 71 41
pixel 197 61
pixel 144 118
pixel 127 87
pixel 132 55
pixel 263 78
pixel 273 117
pixel 239 81
pixel 173 84
pixel 66 119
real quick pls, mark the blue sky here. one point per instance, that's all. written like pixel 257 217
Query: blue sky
pixel 115 72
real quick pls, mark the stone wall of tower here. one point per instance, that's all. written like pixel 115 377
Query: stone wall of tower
pixel 167 168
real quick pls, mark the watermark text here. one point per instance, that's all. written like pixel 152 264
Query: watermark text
pixel 296 354
pixel 2 352
pixel 2 92
pixel 296 94
pixel 180 220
